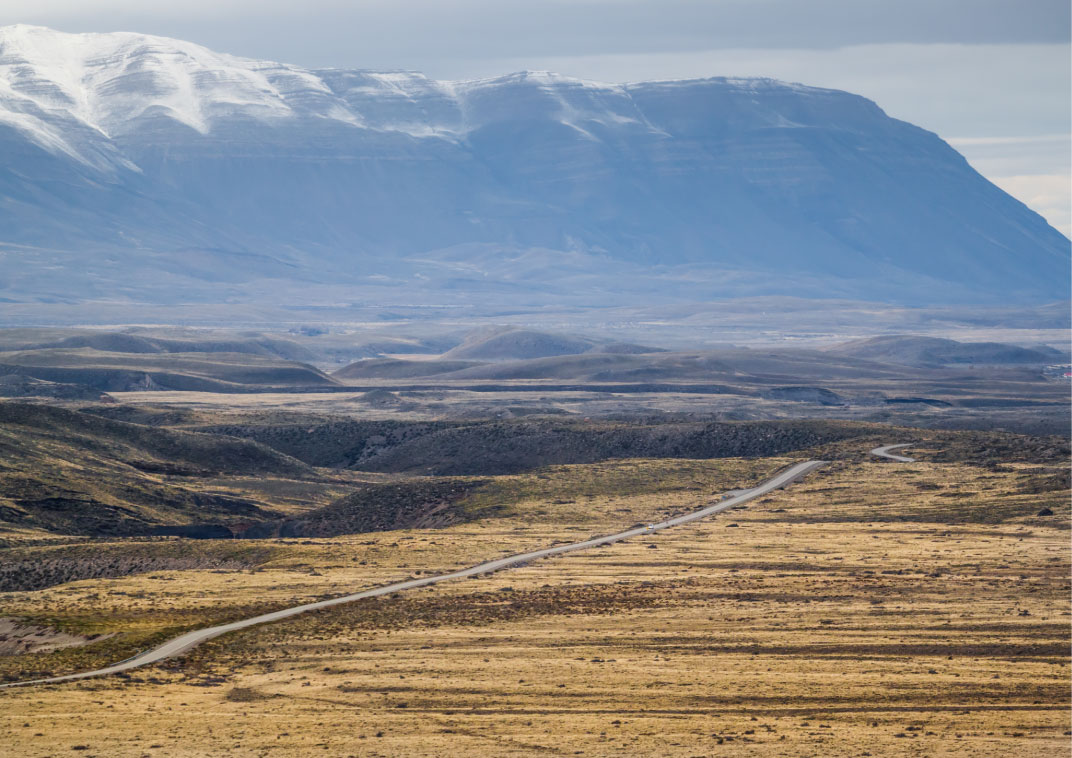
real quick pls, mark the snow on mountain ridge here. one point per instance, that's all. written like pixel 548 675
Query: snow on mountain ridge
pixel 60 88
pixel 110 80
pixel 234 172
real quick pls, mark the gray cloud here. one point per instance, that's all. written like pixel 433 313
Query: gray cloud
pixel 955 90
pixel 390 33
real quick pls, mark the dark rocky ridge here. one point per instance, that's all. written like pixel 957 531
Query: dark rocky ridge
pixel 74 473
pixel 423 504
pixel 503 447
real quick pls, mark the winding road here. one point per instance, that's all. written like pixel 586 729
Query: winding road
pixel 884 452
pixel 181 644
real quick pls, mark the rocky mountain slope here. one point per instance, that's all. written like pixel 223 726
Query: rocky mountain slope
pixel 148 169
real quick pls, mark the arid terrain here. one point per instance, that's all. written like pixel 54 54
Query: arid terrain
pixel 895 609
pixel 1008 378
pixel 875 608
pixel 491 379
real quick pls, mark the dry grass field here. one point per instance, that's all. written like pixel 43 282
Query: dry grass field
pixel 876 609
pixel 182 584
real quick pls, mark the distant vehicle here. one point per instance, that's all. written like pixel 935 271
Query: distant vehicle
pixel 650 527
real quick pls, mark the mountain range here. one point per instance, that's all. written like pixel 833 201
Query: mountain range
pixel 150 170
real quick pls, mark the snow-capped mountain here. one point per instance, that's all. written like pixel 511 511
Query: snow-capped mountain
pixel 148 168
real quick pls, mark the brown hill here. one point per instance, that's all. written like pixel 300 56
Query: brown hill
pixel 74 473
pixel 391 368
pixel 913 350
pixel 118 372
pixel 483 448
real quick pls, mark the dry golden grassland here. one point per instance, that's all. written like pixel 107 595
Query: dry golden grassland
pixel 558 504
pixel 875 609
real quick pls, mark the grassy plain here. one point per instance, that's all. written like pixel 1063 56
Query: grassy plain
pixel 874 609
pixel 229 579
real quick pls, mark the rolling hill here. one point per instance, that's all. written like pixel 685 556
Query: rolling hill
pixel 75 473
pixel 121 342
pixel 513 344
pixel 202 372
pixel 730 366
pixel 394 368
pixel 518 344
pixel 931 351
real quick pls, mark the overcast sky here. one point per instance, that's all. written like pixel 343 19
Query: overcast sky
pixel 990 76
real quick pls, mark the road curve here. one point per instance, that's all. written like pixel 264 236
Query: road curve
pixel 884 452
pixel 181 644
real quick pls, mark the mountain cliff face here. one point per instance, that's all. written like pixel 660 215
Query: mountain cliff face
pixel 150 169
